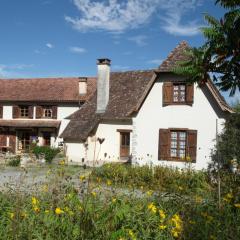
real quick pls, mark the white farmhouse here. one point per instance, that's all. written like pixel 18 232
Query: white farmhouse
pixel 34 110
pixel 149 117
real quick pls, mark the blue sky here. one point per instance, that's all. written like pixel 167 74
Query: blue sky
pixel 47 38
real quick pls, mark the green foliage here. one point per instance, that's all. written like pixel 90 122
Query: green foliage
pixel 48 152
pixel 220 55
pixel 229 3
pixel 14 161
pixel 160 178
pixel 229 142
pixel 61 210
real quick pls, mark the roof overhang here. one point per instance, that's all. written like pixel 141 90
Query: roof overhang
pixel 30 123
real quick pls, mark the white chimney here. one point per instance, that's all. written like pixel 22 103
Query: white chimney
pixel 82 86
pixel 103 84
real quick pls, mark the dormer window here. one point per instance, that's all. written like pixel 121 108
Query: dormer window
pixel 47 112
pixel 177 93
pixel 24 111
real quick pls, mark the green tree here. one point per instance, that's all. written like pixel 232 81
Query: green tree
pixel 228 148
pixel 220 55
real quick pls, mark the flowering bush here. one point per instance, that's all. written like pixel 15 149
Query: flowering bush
pixel 157 178
pixel 87 209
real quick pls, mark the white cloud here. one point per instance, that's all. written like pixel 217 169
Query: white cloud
pixel 155 61
pixel 172 21
pixel 8 71
pixel 140 40
pixel 78 50
pixel 118 16
pixel 111 15
pixel 49 45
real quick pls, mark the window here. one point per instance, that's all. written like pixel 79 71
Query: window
pixel 177 144
pixel 24 111
pixel 179 93
pixel 47 112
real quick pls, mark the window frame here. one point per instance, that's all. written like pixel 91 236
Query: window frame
pixel 47 108
pixel 24 109
pixel 178 145
pixel 164 148
pixel 179 102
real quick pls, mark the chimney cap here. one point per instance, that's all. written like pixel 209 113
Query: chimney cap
pixel 103 61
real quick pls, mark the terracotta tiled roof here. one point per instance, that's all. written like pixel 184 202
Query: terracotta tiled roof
pixel 174 57
pixel 30 123
pixel 126 88
pixel 44 89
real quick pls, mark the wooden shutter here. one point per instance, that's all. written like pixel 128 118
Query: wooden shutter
pixel 16 112
pixel 3 138
pixel 192 144
pixel 39 112
pixel 164 144
pixel 1 111
pixel 54 109
pixel 167 93
pixel 30 112
pixel 189 94
pixel 12 141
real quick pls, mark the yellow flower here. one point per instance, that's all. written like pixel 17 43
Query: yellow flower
pixel 237 205
pixel 180 188
pixel 162 214
pixel 152 208
pixel 23 215
pixel 175 233
pixel 99 180
pixel 62 162
pixel 94 194
pixel 114 200
pixel 46 211
pixel 35 201
pixel 11 215
pixel 149 193
pixel 177 229
pixel 132 235
pixel 109 182
pixel 59 211
pixel 69 211
pixel 82 177
pixel 228 197
pixel 36 209
pixel 162 227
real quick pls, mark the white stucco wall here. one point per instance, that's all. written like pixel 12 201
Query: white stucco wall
pixel 108 151
pixel 153 116
pixel 64 110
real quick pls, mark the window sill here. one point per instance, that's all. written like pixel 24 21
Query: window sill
pixel 177 160
pixel 177 104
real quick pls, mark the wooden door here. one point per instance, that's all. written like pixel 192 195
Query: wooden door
pixel 124 144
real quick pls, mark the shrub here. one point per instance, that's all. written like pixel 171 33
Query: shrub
pixel 157 178
pixel 14 161
pixel 48 152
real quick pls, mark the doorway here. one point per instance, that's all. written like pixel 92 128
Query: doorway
pixel 124 144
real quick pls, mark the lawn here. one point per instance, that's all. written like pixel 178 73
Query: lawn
pixel 122 202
